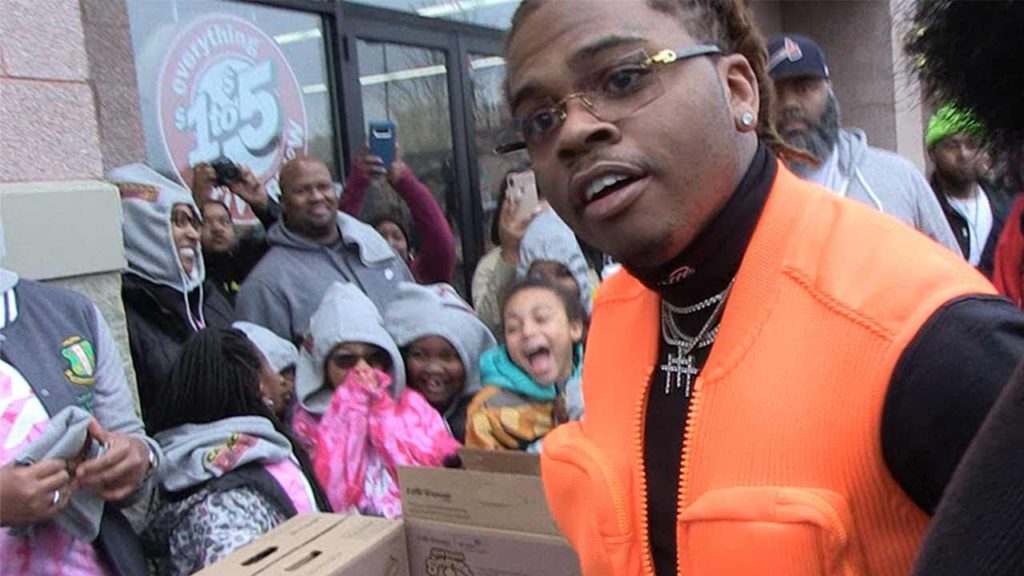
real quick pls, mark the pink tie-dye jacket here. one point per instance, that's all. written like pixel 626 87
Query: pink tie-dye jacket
pixel 365 435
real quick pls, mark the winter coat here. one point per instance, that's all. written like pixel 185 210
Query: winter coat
pixel 361 431
pixel 365 435
pixel 157 330
pixel 512 412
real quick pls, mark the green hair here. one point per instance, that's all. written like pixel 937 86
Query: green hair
pixel 950 120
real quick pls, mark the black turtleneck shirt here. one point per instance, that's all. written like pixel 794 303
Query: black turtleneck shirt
pixel 942 387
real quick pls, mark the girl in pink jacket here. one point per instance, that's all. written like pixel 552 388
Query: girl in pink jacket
pixel 355 415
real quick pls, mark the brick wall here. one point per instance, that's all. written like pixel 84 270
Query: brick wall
pixel 52 145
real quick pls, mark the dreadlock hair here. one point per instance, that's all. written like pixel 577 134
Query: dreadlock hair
pixel 729 25
pixel 217 376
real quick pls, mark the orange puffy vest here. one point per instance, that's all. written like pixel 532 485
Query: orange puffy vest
pixel 782 471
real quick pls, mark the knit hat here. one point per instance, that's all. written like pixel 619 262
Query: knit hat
pixel 437 310
pixel 548 238
pixel 147 200
pixel 950 120
pixel 280 353
pixel 793 56
pixel 345 315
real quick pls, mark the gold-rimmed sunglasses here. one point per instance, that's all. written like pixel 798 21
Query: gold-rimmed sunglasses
pixel 611 94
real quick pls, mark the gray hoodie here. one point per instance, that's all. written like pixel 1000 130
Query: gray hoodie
pixel 147 200
pixel 344 315
pixel 196 453
pixel 548 238
pixel 285 288
pixel 890 184
pixel 280 353
pixel 437 310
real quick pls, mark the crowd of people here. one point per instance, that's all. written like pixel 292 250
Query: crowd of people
pixel 783 360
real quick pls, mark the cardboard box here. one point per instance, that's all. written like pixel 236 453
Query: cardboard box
pixel 490 519
pixel 440 548
pixel 322 545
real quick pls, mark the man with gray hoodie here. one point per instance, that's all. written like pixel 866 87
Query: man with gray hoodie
pixel 806 114
pixel 313 247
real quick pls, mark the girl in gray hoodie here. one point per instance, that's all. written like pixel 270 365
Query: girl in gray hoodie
pixel 441 340
pixel 231 470
pixel 357 418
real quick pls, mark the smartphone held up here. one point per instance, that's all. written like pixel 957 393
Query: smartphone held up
pixel 382 141
pixel 522 192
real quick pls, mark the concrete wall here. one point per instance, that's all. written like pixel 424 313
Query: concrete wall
pixel 62 222
pixel 863 42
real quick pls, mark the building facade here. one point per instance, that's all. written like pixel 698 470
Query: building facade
pixel 88 85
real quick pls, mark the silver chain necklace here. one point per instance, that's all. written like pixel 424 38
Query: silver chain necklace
pixel 681 368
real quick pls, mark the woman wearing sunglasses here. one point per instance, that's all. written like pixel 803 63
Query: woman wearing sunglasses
pixel 355 415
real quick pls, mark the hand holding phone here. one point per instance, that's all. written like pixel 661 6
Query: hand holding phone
pixel 382 141
pixel 226 171
pixel 522 190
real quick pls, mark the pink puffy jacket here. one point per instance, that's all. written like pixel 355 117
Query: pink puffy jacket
pixel 365 435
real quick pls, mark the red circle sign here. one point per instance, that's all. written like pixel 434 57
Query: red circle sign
pixel 226 89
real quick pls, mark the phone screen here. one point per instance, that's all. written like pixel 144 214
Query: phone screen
pixel 382 141
pixel 522 189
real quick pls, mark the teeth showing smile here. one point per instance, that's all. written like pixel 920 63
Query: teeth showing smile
pixel 601 185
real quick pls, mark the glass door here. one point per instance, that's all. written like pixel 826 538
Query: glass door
pixel 416 72
pixel 408 86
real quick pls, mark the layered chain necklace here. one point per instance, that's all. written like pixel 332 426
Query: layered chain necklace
pixel 681 366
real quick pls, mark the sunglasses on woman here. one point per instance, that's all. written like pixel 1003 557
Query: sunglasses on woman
pixel 377 359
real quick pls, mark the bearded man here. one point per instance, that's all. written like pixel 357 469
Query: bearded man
pixel 806 114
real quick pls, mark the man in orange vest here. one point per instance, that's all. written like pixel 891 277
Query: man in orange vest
pixel 782 380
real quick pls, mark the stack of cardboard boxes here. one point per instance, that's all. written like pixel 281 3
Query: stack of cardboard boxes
pixel 487 519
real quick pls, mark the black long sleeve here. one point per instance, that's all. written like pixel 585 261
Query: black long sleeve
pixel 943 387
pixel 979 526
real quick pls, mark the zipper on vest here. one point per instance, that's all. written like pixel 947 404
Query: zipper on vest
pixel 638 448
pixel 684 473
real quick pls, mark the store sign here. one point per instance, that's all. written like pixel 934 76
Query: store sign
pixel 225 89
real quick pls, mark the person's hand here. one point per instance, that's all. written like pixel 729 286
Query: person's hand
pixel 204 180
pixel 511 228
pixel 249 188
pixel 398 167
pixel 367 163
pixel 27 493
pixel 117 472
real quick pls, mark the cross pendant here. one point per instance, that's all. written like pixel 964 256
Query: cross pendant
pixel 678 367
